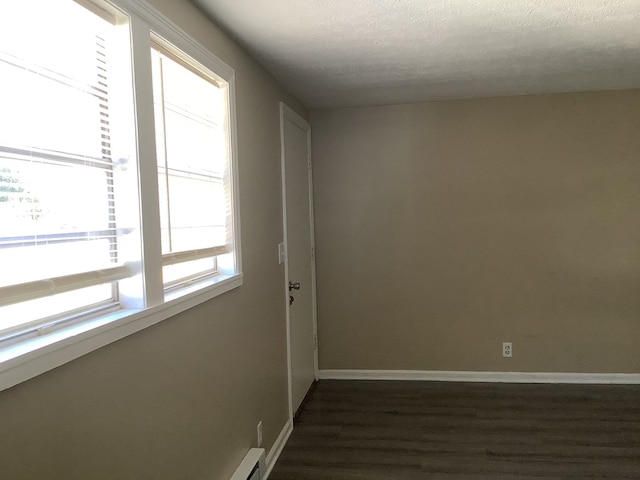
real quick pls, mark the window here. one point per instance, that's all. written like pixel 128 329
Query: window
pixel 62 227
pixel 191 125
pixel 104 219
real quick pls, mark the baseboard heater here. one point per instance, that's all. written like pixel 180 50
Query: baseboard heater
pixel 253 466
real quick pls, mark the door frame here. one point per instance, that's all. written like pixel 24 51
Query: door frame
pixel 289 114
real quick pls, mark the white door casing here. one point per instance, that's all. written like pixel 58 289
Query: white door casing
pixel 297 201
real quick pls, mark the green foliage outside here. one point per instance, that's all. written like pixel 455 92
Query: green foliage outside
pixel 15 195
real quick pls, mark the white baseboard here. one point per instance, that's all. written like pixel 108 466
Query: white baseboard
pixel 494 377
pixel 276 449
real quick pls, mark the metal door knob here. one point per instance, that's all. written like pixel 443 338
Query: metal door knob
pixel 294 286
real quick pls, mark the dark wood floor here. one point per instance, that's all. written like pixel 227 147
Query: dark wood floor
pixel 445 431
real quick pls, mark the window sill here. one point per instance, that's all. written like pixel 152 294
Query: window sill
pixel 28 359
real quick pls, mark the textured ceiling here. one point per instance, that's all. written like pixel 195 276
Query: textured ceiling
pixel 370 52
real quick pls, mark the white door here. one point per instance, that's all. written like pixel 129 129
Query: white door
pixel 299 259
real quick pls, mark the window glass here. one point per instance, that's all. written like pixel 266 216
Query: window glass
pixel 54 307
pixel 192 147
pixel 58 175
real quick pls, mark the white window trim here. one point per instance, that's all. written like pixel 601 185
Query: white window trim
pixel 24 360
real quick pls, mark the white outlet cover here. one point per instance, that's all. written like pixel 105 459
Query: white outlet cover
pixel 281 253
pixel 507 349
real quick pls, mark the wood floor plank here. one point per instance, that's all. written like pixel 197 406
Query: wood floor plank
pixel 351 430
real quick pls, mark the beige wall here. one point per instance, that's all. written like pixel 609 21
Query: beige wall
pixel 180 400
pixel 444 229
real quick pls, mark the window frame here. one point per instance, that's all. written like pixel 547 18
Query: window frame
pixel 212 251
pixel 25 359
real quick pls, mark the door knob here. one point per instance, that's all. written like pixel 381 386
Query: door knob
pixel 294 286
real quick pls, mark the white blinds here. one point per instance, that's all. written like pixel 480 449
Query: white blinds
pixel 192 147
pixel 59 227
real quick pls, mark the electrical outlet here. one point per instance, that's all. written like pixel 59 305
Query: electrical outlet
pixel 259 430
pixel 507 349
